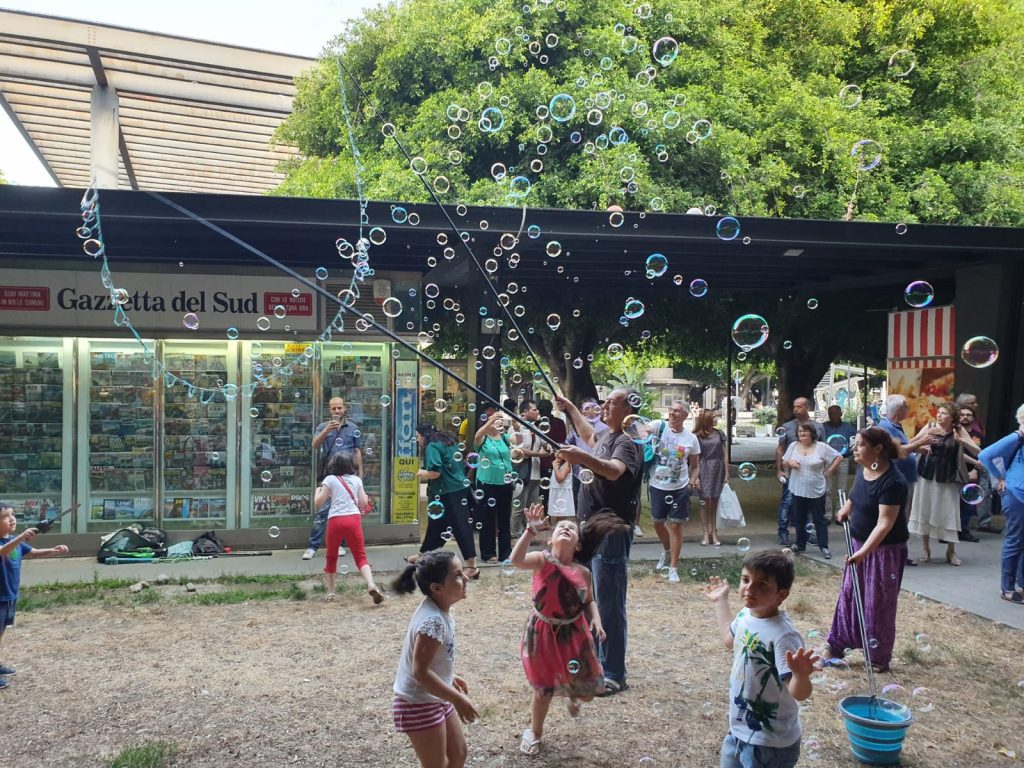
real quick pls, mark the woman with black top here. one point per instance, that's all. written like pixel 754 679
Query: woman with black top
pixel 941 474
pixel 876 510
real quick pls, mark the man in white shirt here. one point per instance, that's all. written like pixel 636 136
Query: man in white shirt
pixel 676 472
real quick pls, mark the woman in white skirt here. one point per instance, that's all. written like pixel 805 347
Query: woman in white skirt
pixel 936 508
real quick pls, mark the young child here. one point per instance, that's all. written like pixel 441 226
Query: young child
pixel 560 499
pixel 428 693
pixel 771 670
pixel 558 651
pixel 12 550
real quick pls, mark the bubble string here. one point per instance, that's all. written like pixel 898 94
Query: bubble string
pixel 451 222
pixel 346 308
pixel 91 232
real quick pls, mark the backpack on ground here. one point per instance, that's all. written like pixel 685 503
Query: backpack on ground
pixel 129 543
pixel 207 544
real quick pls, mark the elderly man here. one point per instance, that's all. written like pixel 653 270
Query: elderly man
pixel 616 464
pixel 801 415
pixel 336 435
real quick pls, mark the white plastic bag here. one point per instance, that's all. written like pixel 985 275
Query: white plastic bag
pixel 730 513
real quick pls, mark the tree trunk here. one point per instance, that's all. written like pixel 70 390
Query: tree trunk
pixel 798 375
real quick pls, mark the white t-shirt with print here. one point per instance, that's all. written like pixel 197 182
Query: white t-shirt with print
pixel 431 621
pixel 672 453
pixel 761 709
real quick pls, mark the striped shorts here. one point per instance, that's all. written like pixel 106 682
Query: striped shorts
pixel 419 717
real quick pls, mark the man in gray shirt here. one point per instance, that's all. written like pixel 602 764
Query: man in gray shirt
pixel 787 435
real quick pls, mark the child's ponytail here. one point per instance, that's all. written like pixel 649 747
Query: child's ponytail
pixel 431 568
pixel 594 531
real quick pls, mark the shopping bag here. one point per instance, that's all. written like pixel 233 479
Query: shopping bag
pixel 730 513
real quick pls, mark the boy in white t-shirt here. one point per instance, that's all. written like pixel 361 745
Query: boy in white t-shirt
pixel 771 669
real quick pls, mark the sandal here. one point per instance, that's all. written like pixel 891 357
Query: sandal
pixel 927 556
pixel 1013 597
pixel 471 573
pixel 704 542
pixel 376 594
pixel 715 541
pixel 953 560
pixel 530 745
pixel 329 597
pixel 611 687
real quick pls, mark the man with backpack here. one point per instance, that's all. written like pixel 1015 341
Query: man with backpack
pixel 675 472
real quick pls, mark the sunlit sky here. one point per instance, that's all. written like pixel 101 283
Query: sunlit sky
pixel 296 26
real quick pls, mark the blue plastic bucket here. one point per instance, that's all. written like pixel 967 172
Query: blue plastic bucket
pixel 876 728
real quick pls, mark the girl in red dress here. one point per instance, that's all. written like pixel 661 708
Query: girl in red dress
pixel 558 651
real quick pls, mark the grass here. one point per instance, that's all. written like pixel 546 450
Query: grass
pixel 155 754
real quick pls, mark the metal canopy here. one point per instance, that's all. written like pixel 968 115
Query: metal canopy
pixel 194 116
pixel 785 256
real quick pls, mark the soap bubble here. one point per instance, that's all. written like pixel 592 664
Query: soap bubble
pixel 728 228
pixel 391 307
pixel 573 667
pixel 849 96
pixel 811 749
pixel 902 63
pixel 440 405
pixel 867 154
pixel 232 333
pixel 263 323
pixel 266 476
pixel 190 321
pixel 747 471
pixel 615 351
pixel 435 509
pixel 637 428
pixel 665 50
pixel 507 569
pixel 698 288
pixel 972 494
pixel 399 215
pixel 553 249
pixel 787 344
pixel 921 700
pixel 743 545
pixel 837 443
pixel 919 294
pixel 321 273
pixel 562 107
pixel 707 709
pixel 385 400
pixel 554 321
pixel 873 644
pixel 491 120
pixel 901 229
pixel 812 303
pixel 586 476
pixel 749 332
pixel 656 265
pixel 273 531
pixel 979 352
pixel 633 308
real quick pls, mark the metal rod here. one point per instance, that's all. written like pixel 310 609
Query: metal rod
pixel 458 235
pixel 859 603
pixel 345 308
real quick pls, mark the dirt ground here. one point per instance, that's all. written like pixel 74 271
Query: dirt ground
pixel 306 683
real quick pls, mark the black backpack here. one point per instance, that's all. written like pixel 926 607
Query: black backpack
pixel 155 536
pixel 130 543
pixel 207 544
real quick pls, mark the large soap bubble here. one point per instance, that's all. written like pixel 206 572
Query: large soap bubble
pixel 750 332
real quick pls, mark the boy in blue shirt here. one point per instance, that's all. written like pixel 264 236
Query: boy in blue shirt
pixel 771 669
pixel 12 550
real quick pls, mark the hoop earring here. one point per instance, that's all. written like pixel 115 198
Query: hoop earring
pixel 874 466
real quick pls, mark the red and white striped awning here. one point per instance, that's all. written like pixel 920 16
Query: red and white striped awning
pixel 922 338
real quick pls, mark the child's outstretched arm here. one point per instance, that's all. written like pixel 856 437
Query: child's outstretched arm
pixel 801 665
pixel 27 535
pixel 60 549
pixel 718 593
pixel 423 653
pixel 521 556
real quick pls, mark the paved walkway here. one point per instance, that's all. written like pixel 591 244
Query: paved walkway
pixel 973 587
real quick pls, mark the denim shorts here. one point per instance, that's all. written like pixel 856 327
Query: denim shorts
pixel 736 754
pixel 673 506
pixel 7 613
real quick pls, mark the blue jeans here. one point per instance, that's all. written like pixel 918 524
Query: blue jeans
pixel 1011 569
pixel 785 503
pixel 610 581
pixel 316 535
pixel 736 754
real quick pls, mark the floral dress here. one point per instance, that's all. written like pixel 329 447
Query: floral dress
pixel 558 652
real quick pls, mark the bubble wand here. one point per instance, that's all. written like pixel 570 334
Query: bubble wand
pixel 351 310
pixel 392 133
pixel 859 603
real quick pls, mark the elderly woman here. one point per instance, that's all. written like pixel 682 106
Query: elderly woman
pixel 1004 460
pixel 936 510
pixel 876 510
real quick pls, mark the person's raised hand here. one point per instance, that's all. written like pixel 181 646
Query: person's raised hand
pixel 564 404
pixel 572 454
pixel 61 549
pixel 717 589
pixel 535 517
pixel 29 533
pixel 802 662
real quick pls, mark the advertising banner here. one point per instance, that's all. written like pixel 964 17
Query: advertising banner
pixel 921 362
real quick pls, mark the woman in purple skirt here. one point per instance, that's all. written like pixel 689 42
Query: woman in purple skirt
pixel 877 513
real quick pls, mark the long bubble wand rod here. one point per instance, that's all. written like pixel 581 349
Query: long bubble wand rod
pixel 859 603
pixel 393 135
pixel 346 308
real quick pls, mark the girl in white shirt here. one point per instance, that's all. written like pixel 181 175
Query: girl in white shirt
pixel 428 693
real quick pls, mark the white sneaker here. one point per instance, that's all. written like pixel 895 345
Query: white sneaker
pixel 638 531
pixel 341 552
pixel 309 554
pixel 673 576
pixel 663 562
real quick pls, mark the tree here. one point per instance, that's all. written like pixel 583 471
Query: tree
pixel 743 105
